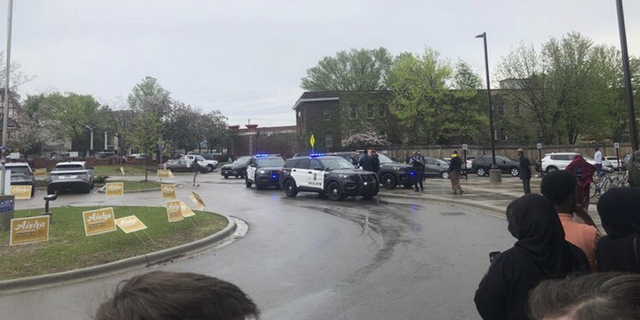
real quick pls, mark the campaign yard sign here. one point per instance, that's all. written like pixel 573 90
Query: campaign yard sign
pixel 21 192
pixel 168 191
pixel 114 189
pixel 130 224
pixel 185 210
pixel 99 221
pixel 29 230
pixel 197 200
pixel 174 212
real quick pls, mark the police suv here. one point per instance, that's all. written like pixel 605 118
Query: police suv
pixel 392 173
pixel 332 176
pixel 264 171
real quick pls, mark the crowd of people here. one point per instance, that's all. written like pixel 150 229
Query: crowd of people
pixel 560 268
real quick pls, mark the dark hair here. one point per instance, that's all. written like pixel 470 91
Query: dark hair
pixel 558 185
pixel 163 295
pixel 597 296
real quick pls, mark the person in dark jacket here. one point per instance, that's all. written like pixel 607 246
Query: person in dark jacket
pixel 455 171
pixel 366 163
pixel 417 162
pixel 619 250
pixel 525 171
pixel 540 253
pixel 375 161
pixel 195 167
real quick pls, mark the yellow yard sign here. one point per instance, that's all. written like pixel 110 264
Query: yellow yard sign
pixel 99 221
pixel 114 189
pixel 312 141
pixel 186 211
pixel 197 200
pixel 40 173
pixel 174 212
pixel 29 230
pixel 164 174
pixel 21 192
pixel 168 191
pixel 130 224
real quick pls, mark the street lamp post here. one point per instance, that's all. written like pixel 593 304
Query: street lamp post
pixel 627 77
pixel 5 115
pixel 495 174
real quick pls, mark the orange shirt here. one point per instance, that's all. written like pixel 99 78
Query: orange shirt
pixel 582 236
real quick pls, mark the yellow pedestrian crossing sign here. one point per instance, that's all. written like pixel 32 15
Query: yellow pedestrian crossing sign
pixel 312 141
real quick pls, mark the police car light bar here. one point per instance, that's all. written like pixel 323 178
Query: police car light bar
pixel 261 155
pixel 313 155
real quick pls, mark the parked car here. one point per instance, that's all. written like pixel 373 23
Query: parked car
pixel 392 173
pixel 435 167
pixel 184 163
pixel 469 162
pixel 482 164
pixel 560 160
pixel 264 171
pixel 332 176
pixel 237 168
pixel 22 175
pixel 614 162
pixel 76 176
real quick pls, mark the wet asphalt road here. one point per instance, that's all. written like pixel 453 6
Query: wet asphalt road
pixel 310 258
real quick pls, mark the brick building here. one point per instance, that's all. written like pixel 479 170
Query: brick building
pixel 252 139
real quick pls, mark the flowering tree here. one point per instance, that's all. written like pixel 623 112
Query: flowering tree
pixel 364 140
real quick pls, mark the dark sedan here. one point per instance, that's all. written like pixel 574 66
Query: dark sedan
pixel 482 164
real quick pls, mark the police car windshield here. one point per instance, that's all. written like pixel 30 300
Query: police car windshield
pixel 270 162
pixel 384 159
pixel 332 164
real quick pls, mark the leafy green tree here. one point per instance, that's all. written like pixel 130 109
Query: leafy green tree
pixel 32 131
pixel 149 87
pixel 147 131
pixel 216 130
pixel 422 95
pixel 356 70
pixel 183 126
pixel 73 114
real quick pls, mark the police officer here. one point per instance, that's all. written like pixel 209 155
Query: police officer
pixel 366 163
pixel 417 162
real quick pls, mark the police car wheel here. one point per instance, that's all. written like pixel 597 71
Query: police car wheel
pixel 389 181
pixel 334 191
pixel 226 176
pixel 290 188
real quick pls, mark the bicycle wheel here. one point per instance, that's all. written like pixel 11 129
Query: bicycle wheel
pixel 594 190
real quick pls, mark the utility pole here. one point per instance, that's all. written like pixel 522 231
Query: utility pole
pixel 5 116
pixel 633 126
pixel 495 175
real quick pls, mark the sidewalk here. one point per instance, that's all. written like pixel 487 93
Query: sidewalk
pixel 478 192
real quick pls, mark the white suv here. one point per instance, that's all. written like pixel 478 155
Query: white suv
pixel 559 161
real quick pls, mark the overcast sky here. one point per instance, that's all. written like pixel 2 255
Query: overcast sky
pixel 246 58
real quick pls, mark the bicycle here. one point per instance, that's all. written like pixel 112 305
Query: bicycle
pixel 603 182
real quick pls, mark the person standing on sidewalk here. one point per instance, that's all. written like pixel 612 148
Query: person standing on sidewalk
pixel 597 158
pixel 195 167
pixel 584 172
pixel 525 171
pixel 455 171
pixel 417 162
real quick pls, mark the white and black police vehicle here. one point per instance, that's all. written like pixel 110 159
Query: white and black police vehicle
pixel 332 176
pixel 264 171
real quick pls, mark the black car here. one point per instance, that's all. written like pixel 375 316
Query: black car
pixel 264 171
pixel 332 176
pixel 482 164
pixel 237 168
pixel 391 173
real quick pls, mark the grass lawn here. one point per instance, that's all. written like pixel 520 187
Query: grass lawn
pixel 138 185
pixel 128 170
pixel 68 248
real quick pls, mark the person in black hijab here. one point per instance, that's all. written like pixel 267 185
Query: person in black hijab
pixel 540 253
pixel 619 250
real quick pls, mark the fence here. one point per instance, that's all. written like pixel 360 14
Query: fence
pixel 509 151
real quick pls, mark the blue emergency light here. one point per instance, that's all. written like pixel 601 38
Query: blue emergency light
pixel 314 155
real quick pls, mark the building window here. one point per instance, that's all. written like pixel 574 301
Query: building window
pixel 383 133
pixel 503 134
pixel 327 113
pixel 382 109
pixel 369 111
pixel 353 111
pixel 501 110
pixel 328 140
pixel 299 114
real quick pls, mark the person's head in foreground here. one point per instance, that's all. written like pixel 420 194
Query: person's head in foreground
pixel 561 188
pixel 599 296
pixel 163 295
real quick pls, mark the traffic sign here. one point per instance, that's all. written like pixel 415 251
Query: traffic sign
pixel 312 141
pixel 539 146
pixel 616 145
pixel 465 147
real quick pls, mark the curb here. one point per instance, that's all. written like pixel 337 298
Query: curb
pixel 146 260
pixel 491 210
